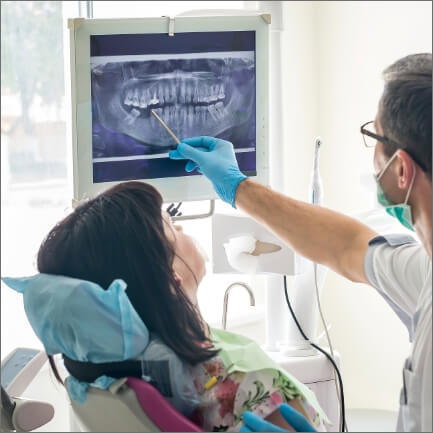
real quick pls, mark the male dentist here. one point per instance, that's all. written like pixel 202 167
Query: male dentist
pixel 399 268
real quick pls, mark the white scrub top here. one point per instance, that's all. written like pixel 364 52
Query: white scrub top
pixel 400 269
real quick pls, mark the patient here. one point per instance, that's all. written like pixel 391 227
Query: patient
pixel 124 234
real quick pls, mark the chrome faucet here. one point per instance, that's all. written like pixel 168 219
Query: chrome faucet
pixel 226 299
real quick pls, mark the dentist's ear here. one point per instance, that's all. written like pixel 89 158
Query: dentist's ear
pixel 406 169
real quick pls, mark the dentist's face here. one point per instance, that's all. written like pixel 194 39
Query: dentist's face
pixel 189 264
pixel 380 159
pixel 388 180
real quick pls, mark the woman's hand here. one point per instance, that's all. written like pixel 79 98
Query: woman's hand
pixel 253 423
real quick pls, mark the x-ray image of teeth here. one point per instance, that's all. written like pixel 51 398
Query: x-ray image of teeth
pixel 198 83
pixel 210 96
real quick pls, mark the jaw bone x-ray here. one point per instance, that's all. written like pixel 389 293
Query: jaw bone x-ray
pixel 198 83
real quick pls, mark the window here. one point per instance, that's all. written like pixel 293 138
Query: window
pixel 35 146
pixel 34 168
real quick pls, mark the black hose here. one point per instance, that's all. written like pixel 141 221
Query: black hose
pixel 340 381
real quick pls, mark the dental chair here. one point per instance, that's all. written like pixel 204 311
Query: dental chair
pixel 130 404
pixel 105 343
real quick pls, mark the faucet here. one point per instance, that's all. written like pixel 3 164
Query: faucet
pixel 226 299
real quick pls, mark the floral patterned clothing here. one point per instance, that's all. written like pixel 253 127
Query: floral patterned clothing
pixel 261 392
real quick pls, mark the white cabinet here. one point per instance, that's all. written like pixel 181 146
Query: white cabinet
pixel 318 374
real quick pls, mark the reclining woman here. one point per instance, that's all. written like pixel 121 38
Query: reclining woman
pixel 124 234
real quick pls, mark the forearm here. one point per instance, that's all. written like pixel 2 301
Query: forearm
pixel 320 234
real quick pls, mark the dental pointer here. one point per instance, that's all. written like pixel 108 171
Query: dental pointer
pixel 173 212
pixel 166 127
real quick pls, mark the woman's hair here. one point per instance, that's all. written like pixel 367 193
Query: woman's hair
pixel 120 234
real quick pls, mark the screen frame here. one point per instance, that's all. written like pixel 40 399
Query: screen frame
pixel 172 189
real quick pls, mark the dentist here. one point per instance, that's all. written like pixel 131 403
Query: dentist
pixel 399 268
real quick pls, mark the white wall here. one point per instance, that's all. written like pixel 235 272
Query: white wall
pixel 300 90
pixel 353 43
pixel 334 54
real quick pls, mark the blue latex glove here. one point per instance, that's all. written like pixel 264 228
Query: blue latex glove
pixel 214 158
pixel 254 423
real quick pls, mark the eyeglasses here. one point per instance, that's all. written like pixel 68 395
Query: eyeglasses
pixel 370 137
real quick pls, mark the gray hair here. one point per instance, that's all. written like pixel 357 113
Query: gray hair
pixel 405 109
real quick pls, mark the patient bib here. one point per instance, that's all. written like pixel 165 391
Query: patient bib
pixel 241 354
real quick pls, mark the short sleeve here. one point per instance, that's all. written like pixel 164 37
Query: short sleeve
pixel 397 266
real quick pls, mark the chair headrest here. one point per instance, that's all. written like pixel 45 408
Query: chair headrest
pixel 80 319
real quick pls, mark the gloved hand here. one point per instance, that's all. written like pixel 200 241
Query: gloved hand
pixel 214 158
pixel 254 423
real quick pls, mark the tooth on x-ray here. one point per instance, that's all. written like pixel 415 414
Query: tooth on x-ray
pixel 132 116
pixel 193 96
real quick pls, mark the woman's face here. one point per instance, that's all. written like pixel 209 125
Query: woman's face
pixel 189 263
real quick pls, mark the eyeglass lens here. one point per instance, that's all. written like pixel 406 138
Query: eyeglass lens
pixel 369 141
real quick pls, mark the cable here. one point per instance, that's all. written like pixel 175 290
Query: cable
pixel 322 317
pixel 343 414
pixel 343 411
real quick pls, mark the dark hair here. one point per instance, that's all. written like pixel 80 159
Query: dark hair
pixel 405 109
pixel 120 234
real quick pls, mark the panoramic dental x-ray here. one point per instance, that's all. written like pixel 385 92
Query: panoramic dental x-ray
pixel 199 84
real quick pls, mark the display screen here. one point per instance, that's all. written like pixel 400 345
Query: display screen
pixel 199 83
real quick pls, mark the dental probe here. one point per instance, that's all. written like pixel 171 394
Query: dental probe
pixel 166 127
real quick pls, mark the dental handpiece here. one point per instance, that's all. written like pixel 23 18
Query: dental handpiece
pixel 316 185
pixel 166 127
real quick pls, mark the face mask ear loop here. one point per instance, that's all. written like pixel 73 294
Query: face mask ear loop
pixel 411 183
pixel 386 166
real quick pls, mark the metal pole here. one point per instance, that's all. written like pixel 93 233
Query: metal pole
pixel 276 313
pixel 89 9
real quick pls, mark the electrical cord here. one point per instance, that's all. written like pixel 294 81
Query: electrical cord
pixel 340 381
pixel 322 317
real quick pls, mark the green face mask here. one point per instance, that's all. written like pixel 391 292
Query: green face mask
pixel 401 211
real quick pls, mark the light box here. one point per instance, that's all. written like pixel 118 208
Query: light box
pixel 209 78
